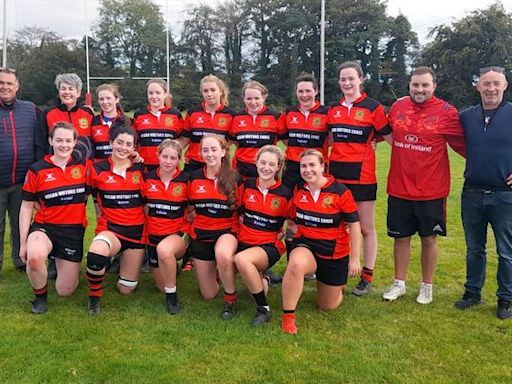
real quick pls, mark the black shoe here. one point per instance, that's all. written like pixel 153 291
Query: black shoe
pixel 228 311
pixel 468 300
pixel 362 288
pixel 173 306
pixel 52 269
pixel 39 306
pixel 274 278
pixel 93 306
pixel 261 317
pixel 504 309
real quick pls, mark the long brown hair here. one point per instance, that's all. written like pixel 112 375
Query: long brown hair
pixel 227 181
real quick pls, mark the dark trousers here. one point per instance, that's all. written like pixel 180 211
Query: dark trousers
pixel 481 207
pixel 10 203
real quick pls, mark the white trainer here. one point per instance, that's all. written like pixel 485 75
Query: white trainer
pixel 394 292
pixel 425 295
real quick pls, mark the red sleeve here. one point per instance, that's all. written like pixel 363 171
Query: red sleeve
pixel 30 187
pixel 179 125
pixel 380 121
pixel 282 131
pixel 186 125
pixel 348 207
pixel 453 131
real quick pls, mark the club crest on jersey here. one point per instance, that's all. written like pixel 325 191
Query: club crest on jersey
pixel 316 121
pixel 82 123
pixel 359 115
pixel 177 190
pixel 251 198
pixel 136 178
pixel 49 177
pixel 222 122
pixel 264 123
pixel 76 173
pixel 327 201
pixel 275 203
pixel 168 122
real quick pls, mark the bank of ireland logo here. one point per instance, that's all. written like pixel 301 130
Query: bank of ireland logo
pixel 82 123
pixel 411 138
pixel 76 173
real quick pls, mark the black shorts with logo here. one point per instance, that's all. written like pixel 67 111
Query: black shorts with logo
pixel 406 217
pixel 67 240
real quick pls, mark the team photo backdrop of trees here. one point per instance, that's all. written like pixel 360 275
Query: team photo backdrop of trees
pixel 271 41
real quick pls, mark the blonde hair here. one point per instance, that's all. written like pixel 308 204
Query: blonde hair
pixel 165 87
pixel 275 150
pixel 170 143
pixel 255 85
pixel 312 152
pixel 224 90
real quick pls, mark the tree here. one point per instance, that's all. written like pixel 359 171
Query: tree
pixel 483 38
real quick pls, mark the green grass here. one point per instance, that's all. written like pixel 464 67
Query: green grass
pixel 365 341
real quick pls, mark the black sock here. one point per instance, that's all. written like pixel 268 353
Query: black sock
pixel 261 300
pixel 288 310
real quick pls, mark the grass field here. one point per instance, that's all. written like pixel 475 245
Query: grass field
pixel 365 341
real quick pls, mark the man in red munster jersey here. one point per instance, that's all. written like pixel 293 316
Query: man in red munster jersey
pixel 419 177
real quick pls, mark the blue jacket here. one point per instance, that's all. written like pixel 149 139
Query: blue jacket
pixel 19 124
pixel 488 148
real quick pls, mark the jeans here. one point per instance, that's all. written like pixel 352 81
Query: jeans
pixel 10 202
pixel 481 207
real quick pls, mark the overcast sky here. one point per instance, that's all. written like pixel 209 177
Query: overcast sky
pixel 67 17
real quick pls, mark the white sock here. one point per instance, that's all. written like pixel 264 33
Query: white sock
pixel 400 283
pixel 170 290
pixel 426 284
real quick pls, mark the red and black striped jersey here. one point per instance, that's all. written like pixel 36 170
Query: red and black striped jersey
pixel 119 199
pixel 199 122
pixel 61 193
pixel 155 128
pixel 250 133
pixel 322 217
pixel 99 134
pixel 306 131
pixel 264 213
pixel 165 204
pixel 352 159
pixel 80 117
pixel 214 216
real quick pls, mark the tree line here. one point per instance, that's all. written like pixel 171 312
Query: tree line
pixel 271 41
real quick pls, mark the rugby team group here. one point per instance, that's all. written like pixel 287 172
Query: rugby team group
pixel 314 201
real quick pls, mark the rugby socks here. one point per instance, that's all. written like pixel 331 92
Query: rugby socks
pixel 41 293
pixel 367 274
pixel 261 300
pixel 95 263
pixel 230 297
pixel 171 295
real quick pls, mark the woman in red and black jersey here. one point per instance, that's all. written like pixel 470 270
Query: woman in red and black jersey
pixel 212 116
pixel 265 205
pixel 327 241
pixel 56 187
pixel 111 115
pixel 116 183
pixel 354 123
pixel 254 127
pixel 213 193
pixel 157 122
pixel 165 197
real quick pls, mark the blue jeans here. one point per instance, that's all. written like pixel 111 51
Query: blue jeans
pixel 481 207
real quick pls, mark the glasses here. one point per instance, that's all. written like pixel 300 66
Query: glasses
pixel 493 68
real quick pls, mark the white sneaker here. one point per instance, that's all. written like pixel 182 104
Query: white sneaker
pixel 425 296
pixel 394 292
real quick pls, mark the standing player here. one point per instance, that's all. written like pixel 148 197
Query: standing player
pixel 117 184
pixel 213 192
pixel 264 203
pixel 212 116
pixel 327 241
pixel 165 196
pixel 353 124
pixel 419 177
pixel 254 127
pixel 156 122
pixel 57 184
pixel 111 116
